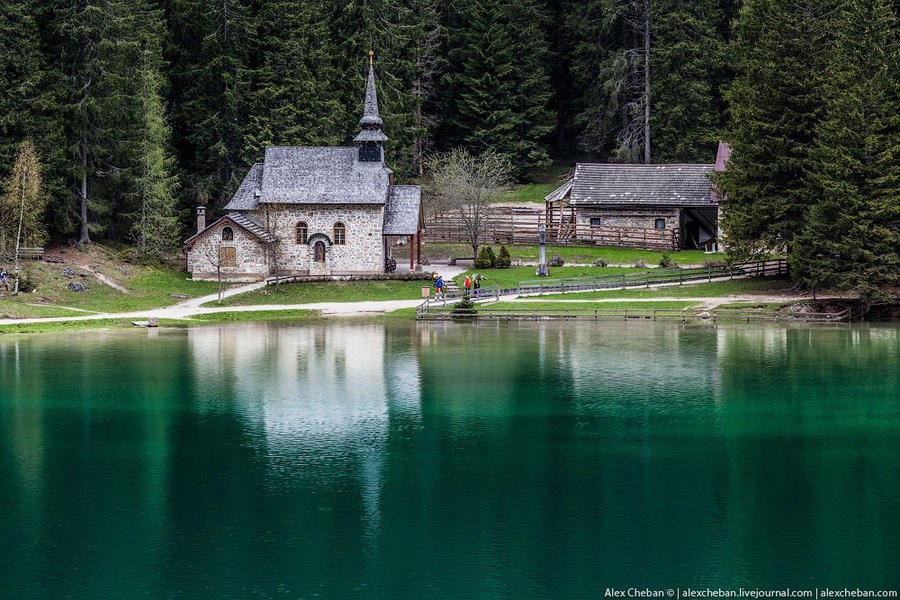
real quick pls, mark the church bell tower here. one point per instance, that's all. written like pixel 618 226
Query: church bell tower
pixel 371 138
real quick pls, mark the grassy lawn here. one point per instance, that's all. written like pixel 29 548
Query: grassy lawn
pixel 572 254
pixel 255 315
pixel 529 192
pixel 614 256
pixel 148 286
pixel 765 305
pixel 332 291
pixel 697 290
pixel 13 309
pixel 509 278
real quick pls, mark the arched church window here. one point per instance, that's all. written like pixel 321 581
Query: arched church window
pixel 340 234
pixel 302 232
pixel 227 234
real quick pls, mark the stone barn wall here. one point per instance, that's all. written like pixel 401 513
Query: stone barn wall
pixel 635 218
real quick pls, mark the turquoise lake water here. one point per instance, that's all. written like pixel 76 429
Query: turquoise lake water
pixel 382 459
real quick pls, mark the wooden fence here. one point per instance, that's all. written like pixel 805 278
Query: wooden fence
pixel 436 307
pixel 510 225
pixel 635 314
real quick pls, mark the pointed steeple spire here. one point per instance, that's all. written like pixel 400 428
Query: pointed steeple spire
pixel 370 110
pixel 371 122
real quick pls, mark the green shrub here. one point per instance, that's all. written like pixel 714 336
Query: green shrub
pixel 463 309
pixel 666 261
pixel 486 258
pixel 27 281
pixel 504 260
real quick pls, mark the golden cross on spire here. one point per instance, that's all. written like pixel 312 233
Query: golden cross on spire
pixel 371 59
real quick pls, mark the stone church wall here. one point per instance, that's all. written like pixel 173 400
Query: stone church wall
pixel 363 252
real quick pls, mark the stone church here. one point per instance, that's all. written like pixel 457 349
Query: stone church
pixel 312 211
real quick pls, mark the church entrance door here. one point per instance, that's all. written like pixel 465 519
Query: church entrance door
pixel 319 252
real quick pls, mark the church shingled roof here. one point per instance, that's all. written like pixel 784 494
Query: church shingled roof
pixel 317 175
pixel 246 196
pixel 401 213
pixel 616 184
pixel 320 175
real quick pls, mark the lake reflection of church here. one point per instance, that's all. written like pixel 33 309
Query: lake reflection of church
pixel 318 394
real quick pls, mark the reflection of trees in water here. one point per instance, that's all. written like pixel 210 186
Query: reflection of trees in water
pixel 86 439
pixel 564 451
pixel 807 415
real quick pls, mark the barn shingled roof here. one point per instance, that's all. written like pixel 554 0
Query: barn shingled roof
pixel 401 213
pixel 616 184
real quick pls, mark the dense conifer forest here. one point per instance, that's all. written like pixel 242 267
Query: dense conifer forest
pixel 141 109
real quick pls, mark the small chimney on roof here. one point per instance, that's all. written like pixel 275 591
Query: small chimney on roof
pixel 201 218
pixel 723 155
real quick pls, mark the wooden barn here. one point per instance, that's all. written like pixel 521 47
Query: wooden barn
pixel 665 206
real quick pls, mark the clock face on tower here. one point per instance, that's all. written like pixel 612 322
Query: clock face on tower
pixel 369 152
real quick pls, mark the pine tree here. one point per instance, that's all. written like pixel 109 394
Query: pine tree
pixel 687 53
pixel 155 225
pixel 622 111
pixel 498 92
pixel 99 46
pixel 852 235
pixel 292 100
pixel 20 78
pixel 610 60
pixel 404 37
pixel 210 70
pixel 29 97
pixel 775 106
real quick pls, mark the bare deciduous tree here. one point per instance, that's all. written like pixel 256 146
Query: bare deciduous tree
pixel 215 258
pixel 464 183
pixel 280 223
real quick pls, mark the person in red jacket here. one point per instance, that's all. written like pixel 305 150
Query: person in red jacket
pixel 468 285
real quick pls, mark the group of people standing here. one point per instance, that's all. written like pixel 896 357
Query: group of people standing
pixel 469 284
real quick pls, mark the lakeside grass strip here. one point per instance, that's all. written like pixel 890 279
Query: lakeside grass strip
pixel 194 321
pixel 148 287
pixel 256 315
pixel 65 326
pixel 564 306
